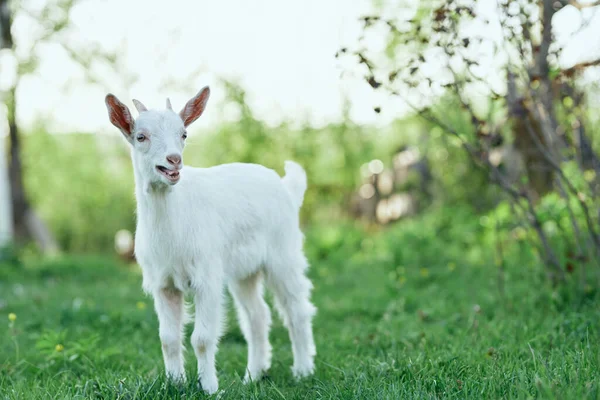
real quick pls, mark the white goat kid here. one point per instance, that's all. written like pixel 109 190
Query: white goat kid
pixel 199 229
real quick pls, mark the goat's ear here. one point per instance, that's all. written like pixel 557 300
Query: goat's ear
pixel 195 107
pixel 119 115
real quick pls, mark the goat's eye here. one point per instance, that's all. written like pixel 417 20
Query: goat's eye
pixel 140 137
pixel 184 136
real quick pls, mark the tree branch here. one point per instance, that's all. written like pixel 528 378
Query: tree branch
pixel 581 6
pixel 579 67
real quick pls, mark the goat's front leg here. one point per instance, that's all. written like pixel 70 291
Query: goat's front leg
pixel 208 326
pixel 169 306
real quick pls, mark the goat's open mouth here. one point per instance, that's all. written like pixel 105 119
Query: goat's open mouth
pixel 171 175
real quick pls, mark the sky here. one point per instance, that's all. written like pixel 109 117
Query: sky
pixel 281 52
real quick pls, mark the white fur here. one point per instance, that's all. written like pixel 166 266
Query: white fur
pixel 233 224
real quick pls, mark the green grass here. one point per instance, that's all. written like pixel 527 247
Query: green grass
pixel 416 312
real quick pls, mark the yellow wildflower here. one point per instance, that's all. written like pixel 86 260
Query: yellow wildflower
pixel 59 347
pixel 424 272
pixel 141 305
pixel 12 317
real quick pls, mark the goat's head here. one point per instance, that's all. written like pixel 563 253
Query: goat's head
pixel 157 137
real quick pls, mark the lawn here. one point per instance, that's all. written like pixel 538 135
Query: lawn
pixel 418 311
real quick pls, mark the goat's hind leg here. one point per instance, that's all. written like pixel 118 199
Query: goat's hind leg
pixel 255 320
pixel 292 290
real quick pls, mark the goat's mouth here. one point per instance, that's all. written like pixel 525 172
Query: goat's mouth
pixel 171 175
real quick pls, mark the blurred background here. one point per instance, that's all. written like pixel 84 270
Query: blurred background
pixel 395 108
pixel 452 218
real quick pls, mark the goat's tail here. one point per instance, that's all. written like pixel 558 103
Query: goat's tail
pixel 295 181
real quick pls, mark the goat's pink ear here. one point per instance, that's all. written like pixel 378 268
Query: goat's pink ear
pixel 119 115
pixel 195 107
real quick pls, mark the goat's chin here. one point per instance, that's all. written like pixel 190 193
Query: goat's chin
pixel 161 183
pixel 169 182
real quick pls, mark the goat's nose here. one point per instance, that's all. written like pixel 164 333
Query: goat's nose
pixel 174 159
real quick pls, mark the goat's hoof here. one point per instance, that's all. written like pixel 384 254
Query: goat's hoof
pixel 303 371
pixel 209 386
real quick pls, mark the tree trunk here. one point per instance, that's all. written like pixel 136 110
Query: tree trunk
pixel 539 172
pixel 6 226
pixel 20 204
pixel 6 41
pixel 532 113
pixel 529 141
pixel 26 224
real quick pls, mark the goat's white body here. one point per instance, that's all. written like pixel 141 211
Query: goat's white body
pixel 240 215
pixel 232 224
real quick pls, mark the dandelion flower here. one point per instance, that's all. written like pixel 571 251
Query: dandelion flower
pixel 12 317
pixel 59 347
pixel 141 305
pixel 424 272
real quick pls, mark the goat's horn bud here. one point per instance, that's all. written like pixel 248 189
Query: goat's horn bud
pixel 169 104
pixel 139 106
